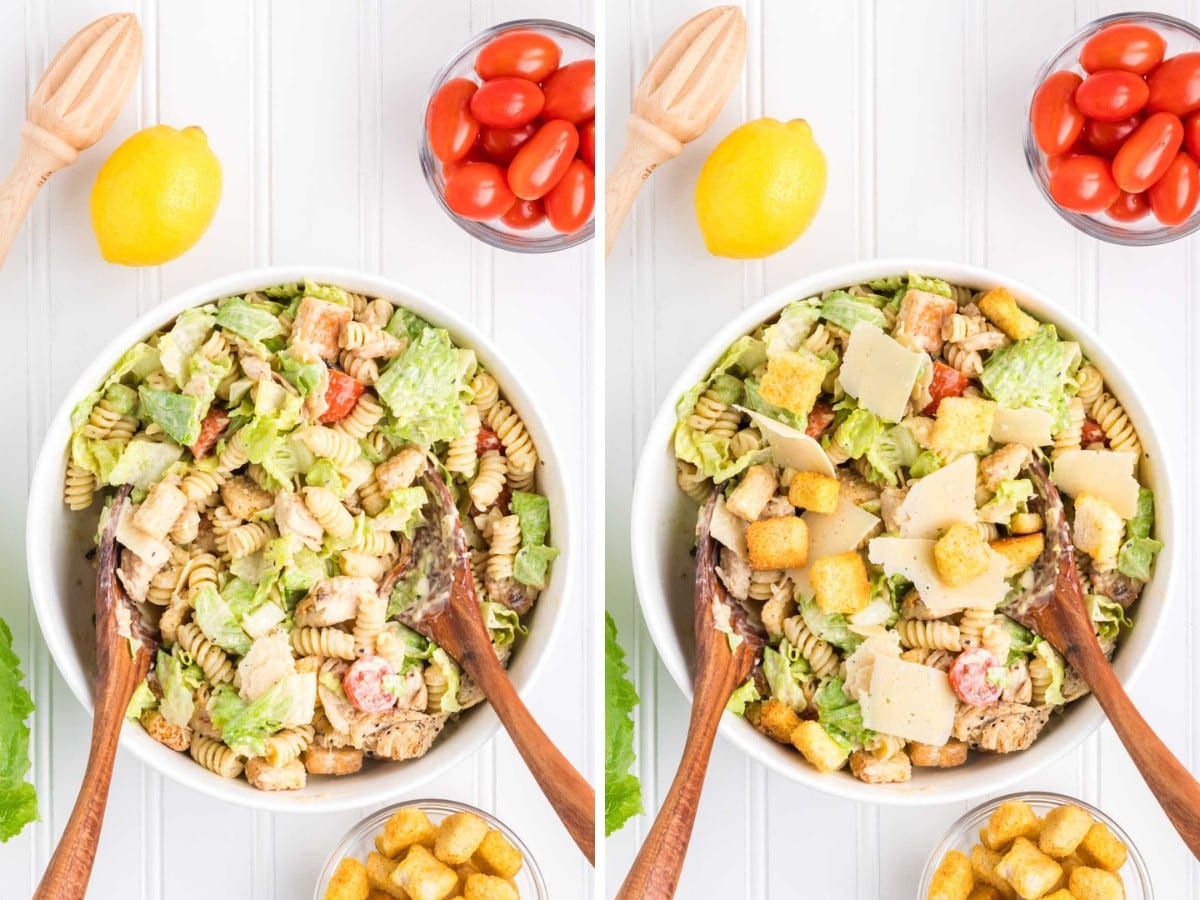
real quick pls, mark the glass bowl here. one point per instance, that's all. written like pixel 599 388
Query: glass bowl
pixel 360 840
pixel 964 834
pixel 576 44
pixel 1181 37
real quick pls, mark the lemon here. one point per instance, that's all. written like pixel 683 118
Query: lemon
pixel 155 196
pixel 760 188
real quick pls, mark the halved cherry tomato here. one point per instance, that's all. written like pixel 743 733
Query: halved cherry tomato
pixel 587 144
pixel 1129 207
pixel 1084 184
pixel 1092 433
pixel 487 440
pixel 1173 197
pixel 1106 138
pixel 448 121
pixel 502 144
pixel 507 102
pixel 364 683
pixel 525 214
pixel 1191 136
pixel 341 395
pixel 479 191
pixel 1111 95
pixel 1145 155
pixel 210 431
pixel 969 677
pixel 819 419
pixel 1134 48
pixel 569 203
pixel 543 160
pixel 946 382
pixel 571 92
pixel 520 54
pixel 1175 85
pixel 1056 119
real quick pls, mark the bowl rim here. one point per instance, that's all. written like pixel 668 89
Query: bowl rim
pixel 649 570
pixel 44 496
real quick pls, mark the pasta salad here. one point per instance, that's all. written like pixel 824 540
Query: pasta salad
pixel 275 443
pixel 879 452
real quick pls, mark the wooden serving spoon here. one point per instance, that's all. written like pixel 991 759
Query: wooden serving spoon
pixel 687 84
pixel 118 673
pixel 450 617
pixel 719 672
pixel 1055 609
pixel 76 101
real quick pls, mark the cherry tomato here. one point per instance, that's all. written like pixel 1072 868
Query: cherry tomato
pixel 1084 184
pixel 524 214
pixel 502 144
pixel 946 382
pixel 364 684
pixel 448 121
pixel 1053 162
pixel 1173 197
pixel 969 677
pixel 487 440
pixel 543 160
pixel 475 154
pixel 479 191
pixel 1056 119
pixel 1134 48
pixel 1191 136
pixel 520 54
pixel 507 102
pixel 1147 152
pixel 819 419
pixel 1128 208
pixel 569 203
pixel 1106 138
pixel 1175 85
pixel 571 92
pixel 1092 433
pixel 1111 95
pixel 210 430
pixel 341 395
pixel 587 144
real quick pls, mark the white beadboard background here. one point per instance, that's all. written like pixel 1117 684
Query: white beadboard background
pixel 918 107
pixel 313 108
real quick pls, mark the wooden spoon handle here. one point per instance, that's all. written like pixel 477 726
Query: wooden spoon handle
pixel 42 154
pixel 646 146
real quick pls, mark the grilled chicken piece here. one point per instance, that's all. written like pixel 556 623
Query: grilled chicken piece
pixel 244 498
pixel 407 735
pixel 1117 586
pixel 890 501
pixel 855 488
pixel 734 572
pixel 1003 465
pixel 333 600
pixel 511 593
pixel 1002 728
pixel 777 508
pixel 135 574
pixel 869 768
pixel 1019 688
pixel 293 517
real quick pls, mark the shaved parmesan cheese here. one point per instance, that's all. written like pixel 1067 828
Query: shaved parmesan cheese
pixel 1030 427
pixel 1103 473
pixel 728 529
pixel 860 663
pixel 939 500
pixel 790 447
pixel 913 558
pixel 833 533
pixel 879 371
pixel 909 700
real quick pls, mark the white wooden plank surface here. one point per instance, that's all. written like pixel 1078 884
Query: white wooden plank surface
pixel 919 108
pixel 313 109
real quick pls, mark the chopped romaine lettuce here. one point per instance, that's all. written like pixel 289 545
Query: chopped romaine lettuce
pixel 178 415
pixel 1032 372
pixel 143 462
pixel 1138 552
pixel 931 285
pixel 403 511
pixel 502 623
pixel 1058 671
pixel 1021 639
pixel 785 677
pixel 846 311
pixel 742 358
pixel 304 376
pixel 926 463
pixel 840 716
pixel 326 292
pixel 244 726
pixel 406 325
pixel 449 670
pixel 747 693
pixel 1108 616
pixel 533 511
pixel 143 699
pixel 795 323
pixel 250 322
pixel 178 345
pixel 422 387
pixel 177 682
pixel 830 627
pixel 532 563
pixel 215 618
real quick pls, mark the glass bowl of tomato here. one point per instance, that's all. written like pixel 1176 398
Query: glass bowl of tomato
pixel 1112 137
pixel 508 137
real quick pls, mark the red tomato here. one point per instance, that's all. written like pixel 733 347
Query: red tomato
pixel 210 430
pixel 1128 208
pixel 1191 136
pixel 1112 95
pixel 1106 138
pixel 969 677
pixel 1175 85
pixel 502 144
pixel 1056 120
pixel 1053 162
pixel 1092 433
pixel 587 144
pixel 946 382
pixel 487 440
pixel 341 395
pixel 448 121
pixel 1134 48
pixel 475 154
pixel 819 419
pixel 543 160
pixel 479 191
pixel 507 102
pixel 1173 197
pixel 363 684
pixel 520 54
pixel 569 203
pixel 1084 184
pixel 525 214
pixel 1147 152
pixel 571 92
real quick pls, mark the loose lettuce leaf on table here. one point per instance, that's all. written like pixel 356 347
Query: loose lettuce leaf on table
pixel 622 792
pixel 18 800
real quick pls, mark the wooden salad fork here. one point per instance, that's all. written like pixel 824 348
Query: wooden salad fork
pixel 1055 609
pixel 450 617
pixel 118 673
pixel 719 672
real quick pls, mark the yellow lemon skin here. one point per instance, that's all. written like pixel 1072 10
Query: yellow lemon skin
pixel 760 188
pixel 155 196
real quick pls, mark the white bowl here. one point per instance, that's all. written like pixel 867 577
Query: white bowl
pixel 61 580
pixel 663 522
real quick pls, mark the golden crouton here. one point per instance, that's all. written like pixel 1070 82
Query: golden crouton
pixel 1002 311
pixel 840 583
pixel 291 776
pixel 1101 849
pixel 496 856
pixel 349 881
pixel 1030 871
pixel 984 892
pixel 243 498
pixel 983 867
pixel 814 491
pixel 489 887
pixel 404 828
pixel 952 880
pixel 950 754
pixel 177 737
pixel 1063 829
pixel 1021 552
pixel 777 543
pixel 1098 528
pixel 379 875
pixel 793 381
pixel 331 760
pixel 424 876
pixel 961 554
pixel 1095 884
pixel 1009 821
pixel 773 718
pixel 458 837
pixel 1060 894
pixel 963 424
pixel 377 894
pixel 870 769
pixel 818 747
pixel 757 486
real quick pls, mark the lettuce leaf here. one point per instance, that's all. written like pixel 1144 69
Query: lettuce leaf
pixel 1137 553
pixel 249 321
pixel 406 324
pixel 502 623
pixel 622 792
pixel 532 563
pixel 533 511
pixel 747 693
pixel 930 285
pixel 422 387
pixel 403 511
pixel 785 676
pixel 177 682
pixel 926 463
pixel 846 311
pixel 244 726
pixel 143 462
pixel 303 376
pixel 178 415
pixel 840 716
pixel 794 325
pixel 190 330
pixel 833 628
pixel 1021 639
pixel 1108 616
pixel 1031 372
pixel 216 619
pixel 449 670
pixel 326 292
pixel 743 357
pixel 143 699
pixel 18 799
pixel 1058 671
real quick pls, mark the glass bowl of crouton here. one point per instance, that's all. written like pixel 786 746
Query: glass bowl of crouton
pixel 429 850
